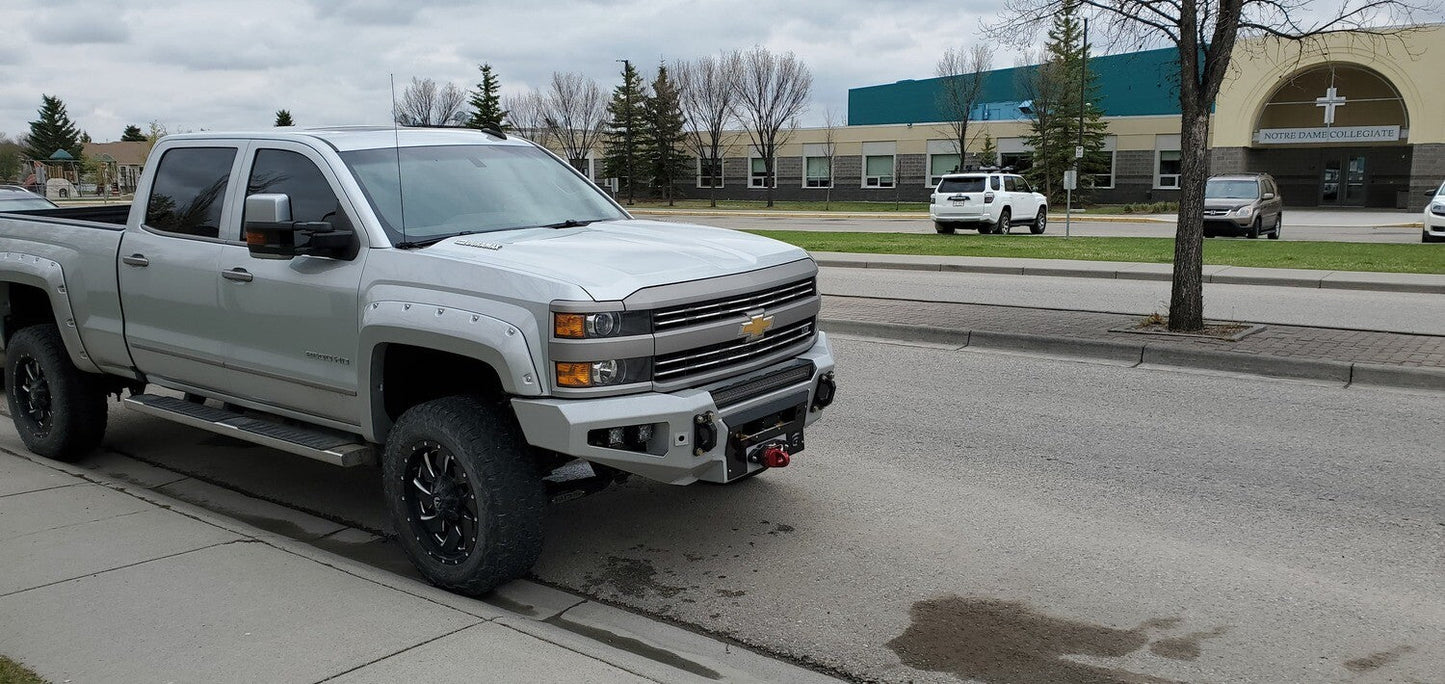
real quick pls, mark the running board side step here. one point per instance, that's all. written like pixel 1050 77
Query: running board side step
pixel 331 447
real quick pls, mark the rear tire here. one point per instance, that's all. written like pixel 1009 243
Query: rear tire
pixel 1041 221
pixel 58 409
pixel 1004 218
pixel 464 494
pixel 943 228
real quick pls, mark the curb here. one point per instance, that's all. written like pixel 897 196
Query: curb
pixel 1332 280
pixel 1154 355
pixel 879 215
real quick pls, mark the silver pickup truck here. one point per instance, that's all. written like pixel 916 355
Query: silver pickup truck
pixel 460 306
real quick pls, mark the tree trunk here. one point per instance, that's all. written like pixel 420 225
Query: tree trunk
pixel 768 177
pixel 1186 299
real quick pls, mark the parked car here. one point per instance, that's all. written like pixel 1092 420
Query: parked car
pixel 1435 218
pixel 16 198
pixel 990 201
pixel 1243 204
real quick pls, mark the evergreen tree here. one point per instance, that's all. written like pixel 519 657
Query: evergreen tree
pixel 668 131
pixel 627 131
pixel 133 134
pixel 988 156
pixel 52 131
pixel 486 103
pixel 283 118
pixel 1054 130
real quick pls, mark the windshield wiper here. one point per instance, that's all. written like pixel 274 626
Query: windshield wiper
pixel 418 244
pixel 569 223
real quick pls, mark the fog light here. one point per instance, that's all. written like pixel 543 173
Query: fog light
pixel 824 393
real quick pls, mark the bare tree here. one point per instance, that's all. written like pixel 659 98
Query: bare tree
pixel 574 111
pixel 831 122
pixel 423 103
pixel 771 92
pixel 526 112
pixel 1205 34
pixel 961 89
pixel 708 87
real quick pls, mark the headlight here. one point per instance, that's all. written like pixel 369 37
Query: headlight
pixel 1437 208
pixel 576 326
pixel 1245 210
pixel 603 373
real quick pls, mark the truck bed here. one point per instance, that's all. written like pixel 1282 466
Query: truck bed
pixel 102 216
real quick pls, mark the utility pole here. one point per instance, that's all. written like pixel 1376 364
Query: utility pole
pixel 627 134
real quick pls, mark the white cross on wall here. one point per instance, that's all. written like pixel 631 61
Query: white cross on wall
pixel 1330 101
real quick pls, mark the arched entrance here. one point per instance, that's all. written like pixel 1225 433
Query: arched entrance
pixel 1335 135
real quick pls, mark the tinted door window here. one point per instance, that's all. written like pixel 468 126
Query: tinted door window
pixel 189 190
pixel 292 174
pixel 1023 185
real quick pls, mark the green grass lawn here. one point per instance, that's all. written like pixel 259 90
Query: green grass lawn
pixel 12 672
pixel 1329 256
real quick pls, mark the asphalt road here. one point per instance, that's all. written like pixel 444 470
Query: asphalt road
pixel 1336 233
pixel 1010 519
pixel 1405 312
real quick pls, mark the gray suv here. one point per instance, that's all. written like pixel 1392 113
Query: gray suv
pixel 1245 204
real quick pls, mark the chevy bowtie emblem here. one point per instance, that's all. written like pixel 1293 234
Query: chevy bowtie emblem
pixel 755 327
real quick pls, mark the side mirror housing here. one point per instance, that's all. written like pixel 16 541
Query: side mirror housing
pixel 271 234
pixel 1267 195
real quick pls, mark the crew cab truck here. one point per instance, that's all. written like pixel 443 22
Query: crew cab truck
pixel 461 306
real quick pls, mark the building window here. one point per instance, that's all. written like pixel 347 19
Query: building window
pixel 878 171
pixel 818 173
pixel 939 164
pixel 1168 176
pixel 709 173
pixel 1099 166
pixel 758 177
pixel 1019 162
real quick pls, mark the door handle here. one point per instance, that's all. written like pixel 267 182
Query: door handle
pixel 239 275
pixel 136 260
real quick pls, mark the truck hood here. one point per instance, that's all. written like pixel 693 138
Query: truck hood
pixel 613 259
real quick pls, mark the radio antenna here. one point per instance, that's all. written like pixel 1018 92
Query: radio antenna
pixel 396 145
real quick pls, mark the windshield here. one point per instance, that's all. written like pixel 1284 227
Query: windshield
pixel 1231 189
pixel 447 190
pixel 950 185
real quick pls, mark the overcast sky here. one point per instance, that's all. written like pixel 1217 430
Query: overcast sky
pixel 194 64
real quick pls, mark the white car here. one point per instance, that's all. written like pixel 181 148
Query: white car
pixel 1435 218
pixel 990 201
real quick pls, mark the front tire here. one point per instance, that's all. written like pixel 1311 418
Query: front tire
pixel 1040 222
pixel 1004 218
pixel 465 496
pixel 1425 236
pixel 1278 227
pixel 58 409
pixel 1253 232
pixel 943 228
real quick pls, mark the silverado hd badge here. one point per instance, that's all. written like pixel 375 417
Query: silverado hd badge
pixel 756 326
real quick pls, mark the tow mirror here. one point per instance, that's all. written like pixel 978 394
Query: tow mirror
pixel 271 234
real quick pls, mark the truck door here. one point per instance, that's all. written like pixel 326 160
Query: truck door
pixel 292 326
pixel 167 269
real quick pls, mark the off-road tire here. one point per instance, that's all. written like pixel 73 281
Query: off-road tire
pixel 943 228
pixel 1253 231
pixel 1041 222
pixel 1004 217
pixel 58 409
pixel 493 473
pixel 1278 227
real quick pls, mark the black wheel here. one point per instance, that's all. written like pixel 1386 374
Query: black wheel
pixel 943 228
pixel 58 409
pixel 1278 227
pixel 1040 222
pixel 464 493
pixel 1253 232
pixel 1004 218
pixel 1425 236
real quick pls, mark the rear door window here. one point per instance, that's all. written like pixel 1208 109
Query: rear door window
pixel 190 190
pixel 1009 184
pixel 955 185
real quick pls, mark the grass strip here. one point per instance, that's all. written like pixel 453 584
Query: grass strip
pixel 1324 256
pixel 12 672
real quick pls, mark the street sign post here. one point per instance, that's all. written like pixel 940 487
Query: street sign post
pixel 1071 181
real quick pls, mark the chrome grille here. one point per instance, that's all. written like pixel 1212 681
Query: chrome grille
pixel 678 365
pixel 720 309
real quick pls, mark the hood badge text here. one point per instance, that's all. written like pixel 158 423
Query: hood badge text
pixel 479 245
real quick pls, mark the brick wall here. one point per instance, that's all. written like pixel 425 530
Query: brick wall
pixel 1427 170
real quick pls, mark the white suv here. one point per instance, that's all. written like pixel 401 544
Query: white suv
pixel 989 201
pixel 1435 218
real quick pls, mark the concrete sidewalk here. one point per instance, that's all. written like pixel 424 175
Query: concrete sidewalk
pixel 103 580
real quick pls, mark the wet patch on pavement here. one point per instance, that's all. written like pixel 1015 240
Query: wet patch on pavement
pixel 1185 647
pixel 1375 661
pixel 632 577
pixel 1007 642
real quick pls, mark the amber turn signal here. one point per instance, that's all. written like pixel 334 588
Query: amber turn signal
pixel 573 374
pixel 569 325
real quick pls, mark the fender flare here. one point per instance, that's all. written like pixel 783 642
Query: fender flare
pixel 47 275
pixel 492 341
